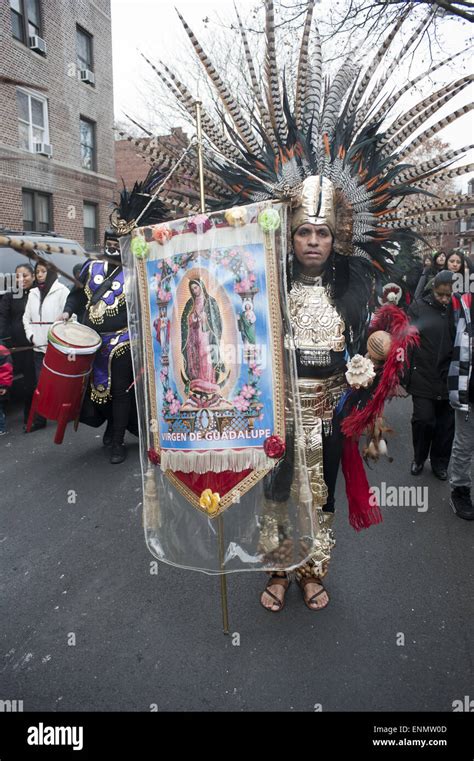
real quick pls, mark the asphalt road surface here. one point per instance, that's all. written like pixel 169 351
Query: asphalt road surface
pixel 86 627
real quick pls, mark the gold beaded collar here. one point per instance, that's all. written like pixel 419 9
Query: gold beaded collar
pixel 309 279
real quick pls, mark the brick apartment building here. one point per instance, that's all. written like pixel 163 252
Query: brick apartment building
pixel 130 164
pixel 57 163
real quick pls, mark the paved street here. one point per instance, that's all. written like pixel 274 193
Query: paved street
pixel 83 569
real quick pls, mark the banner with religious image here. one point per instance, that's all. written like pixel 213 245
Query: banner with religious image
pixel 225 482
pixel 210 303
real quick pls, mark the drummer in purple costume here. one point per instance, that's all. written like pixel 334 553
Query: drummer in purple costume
pixel 102 298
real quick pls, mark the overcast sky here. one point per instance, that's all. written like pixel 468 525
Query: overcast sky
pixel 153 27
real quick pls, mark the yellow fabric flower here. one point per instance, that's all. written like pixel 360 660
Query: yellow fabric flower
pixel 210 501
pixel 236 217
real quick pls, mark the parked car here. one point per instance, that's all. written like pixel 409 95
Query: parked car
pixel 10 258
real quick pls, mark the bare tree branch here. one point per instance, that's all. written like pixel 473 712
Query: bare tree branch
pixel 450 8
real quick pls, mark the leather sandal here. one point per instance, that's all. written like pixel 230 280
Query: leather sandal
pixel 275 581
pixel 308 600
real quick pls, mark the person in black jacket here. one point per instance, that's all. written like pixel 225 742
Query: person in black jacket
pixel 433 418
pixel 413 275
pixel 76 289
pixel 12 308
pixel 430 270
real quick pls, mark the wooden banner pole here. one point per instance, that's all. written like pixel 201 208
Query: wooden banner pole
pixel 220 522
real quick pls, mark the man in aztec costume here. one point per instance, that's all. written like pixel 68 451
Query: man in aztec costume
pixel 338 160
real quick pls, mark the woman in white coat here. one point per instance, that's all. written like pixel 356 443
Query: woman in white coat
pixel 45 302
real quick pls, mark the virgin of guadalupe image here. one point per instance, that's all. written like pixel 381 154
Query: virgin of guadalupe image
pixel 201 331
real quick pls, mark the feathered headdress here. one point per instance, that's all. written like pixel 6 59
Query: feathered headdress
pixel 137 205
pixel 328 128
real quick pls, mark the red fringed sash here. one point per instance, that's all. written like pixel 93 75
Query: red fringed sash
pixel 363 508
pixel 404 336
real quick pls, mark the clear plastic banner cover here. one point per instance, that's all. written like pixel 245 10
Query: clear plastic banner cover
pixel 225 484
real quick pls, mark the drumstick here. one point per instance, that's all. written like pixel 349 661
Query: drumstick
pixel 15 349
pixel 135 379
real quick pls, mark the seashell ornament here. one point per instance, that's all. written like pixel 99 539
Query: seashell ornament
pixel 360 372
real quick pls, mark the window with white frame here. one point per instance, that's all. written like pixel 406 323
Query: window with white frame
pixel 32 119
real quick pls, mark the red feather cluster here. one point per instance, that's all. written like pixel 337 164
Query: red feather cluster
pixel 404 336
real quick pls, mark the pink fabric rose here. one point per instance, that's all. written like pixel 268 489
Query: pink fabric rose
pixel 162 234
pixel 200 223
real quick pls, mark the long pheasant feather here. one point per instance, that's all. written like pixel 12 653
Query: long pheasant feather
pixel 256 87
pixel 229 102
pixel 439 162
pixel 388 104
pixel 374 64
pixel 312 107
pixel 434 102
pixel 437 204
pixel 167 155
pixel 189 165
pixel 302 76
pixel 144 147
pixel 208 125
pixel 335 95
pixel 137 124
pixel 365 108
pixel 435 216
pixel 271 72
pixel 431 131
pixel 448 174
pixel 400 121
pixel 183 95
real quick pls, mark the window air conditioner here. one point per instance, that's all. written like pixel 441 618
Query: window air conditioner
pixel 38 44
pixel 87 76
pixel 44 149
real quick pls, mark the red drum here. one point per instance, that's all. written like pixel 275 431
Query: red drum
pixel 65 374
